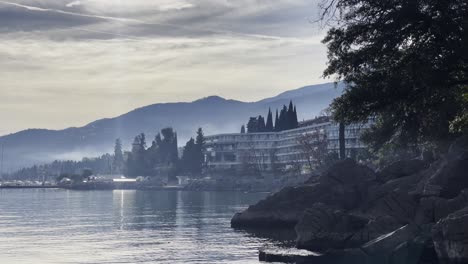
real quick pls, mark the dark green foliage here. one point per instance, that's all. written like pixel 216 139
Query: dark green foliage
pixel 193 157
pixel 287 119
pixel 242 129
pixel 405 64
pixel 161 156
pixel 269 123
pixel 118 162
pixel 277 128
pixel 256 124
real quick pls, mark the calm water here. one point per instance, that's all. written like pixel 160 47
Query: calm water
pixel 63 226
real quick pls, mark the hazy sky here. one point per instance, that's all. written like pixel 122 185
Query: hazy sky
pixel 67 63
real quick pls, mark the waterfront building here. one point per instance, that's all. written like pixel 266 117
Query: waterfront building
pixel 267 150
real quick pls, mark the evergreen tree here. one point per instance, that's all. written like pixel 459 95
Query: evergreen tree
pixel 269 122
pixel 252 125
pixel 242 129
pixel 261 127
pixel 118 162
pixel 277 127
pixel 296 121
pixel 404 64
pixel 200 152
pixel 290 115
pixel 189 157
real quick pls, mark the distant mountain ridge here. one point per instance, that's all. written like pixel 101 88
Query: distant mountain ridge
pixel 213 113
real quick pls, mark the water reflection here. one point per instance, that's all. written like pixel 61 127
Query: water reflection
pixel 124 226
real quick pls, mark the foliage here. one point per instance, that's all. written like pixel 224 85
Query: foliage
pixel 287 119
pixel 313 148
pixel 118 162
pixel 193 157
pixel 405 65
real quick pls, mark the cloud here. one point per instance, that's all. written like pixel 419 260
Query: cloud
pixel 74 3
pixel 68 63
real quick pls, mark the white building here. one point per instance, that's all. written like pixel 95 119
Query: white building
pixel 231 151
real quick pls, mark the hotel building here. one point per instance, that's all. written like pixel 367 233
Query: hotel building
pixel 266 149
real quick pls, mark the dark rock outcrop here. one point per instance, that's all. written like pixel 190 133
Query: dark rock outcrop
pixel 450 236
pixel 344 186
pixel 452 173
pixel 406 213
pixel 322 228
pixel 401 169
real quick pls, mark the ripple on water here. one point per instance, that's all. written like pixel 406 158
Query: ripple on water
pixel 62 226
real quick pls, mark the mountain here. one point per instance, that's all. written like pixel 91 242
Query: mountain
pixel 214 114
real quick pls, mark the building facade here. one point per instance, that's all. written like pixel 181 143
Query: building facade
pixel 266 150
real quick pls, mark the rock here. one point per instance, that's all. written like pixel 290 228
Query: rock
pixel 280 210
pixel 397 204
pixel 381 248
pixel 450 236
pixel 452 172
pixel 286 255
pixel 347 172
pixel 375 228
pixel 347 256
pixel 401 169
pixel 323 228
pixel 343 186
pixel 417 251
pixel 432 209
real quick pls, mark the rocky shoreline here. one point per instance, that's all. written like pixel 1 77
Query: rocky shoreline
pixel 409 212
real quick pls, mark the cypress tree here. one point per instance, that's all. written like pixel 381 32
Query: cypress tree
pixel 261 127
pixel 290 122
pixel 269 122
pixel 296 121
pixel 242 129
pixel 252 125
pixel 277 121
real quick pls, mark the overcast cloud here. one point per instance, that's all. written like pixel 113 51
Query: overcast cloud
pixel 67 63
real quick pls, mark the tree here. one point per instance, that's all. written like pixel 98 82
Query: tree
pixel 118 162
pixel 200 143
pixel 277 128
pixel 189 157
pixel 313 147
pixel 404 64
pixel 269 123
pixel 252 125
pixel 242 129
pixel 261 127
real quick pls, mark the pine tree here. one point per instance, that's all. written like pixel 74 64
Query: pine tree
pixel 269 122
pixel 200 152
pixel 277 128
pixel 296 121
pixel 290 115
pixel 118 162
pixel 261 127
pixel 252 125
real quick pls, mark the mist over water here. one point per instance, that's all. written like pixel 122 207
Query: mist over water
pixel 124 226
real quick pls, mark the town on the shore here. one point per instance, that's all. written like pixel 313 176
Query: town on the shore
pixel 265 155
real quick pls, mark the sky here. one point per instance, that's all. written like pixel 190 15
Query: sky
pixel 67 63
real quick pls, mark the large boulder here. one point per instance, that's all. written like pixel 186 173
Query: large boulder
pixel 398 204
pixel 452 173
pixel 343 186
pixel 450 236
pixel 387 247
pixel 323 228
pixel 401 169
pixel 432 209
